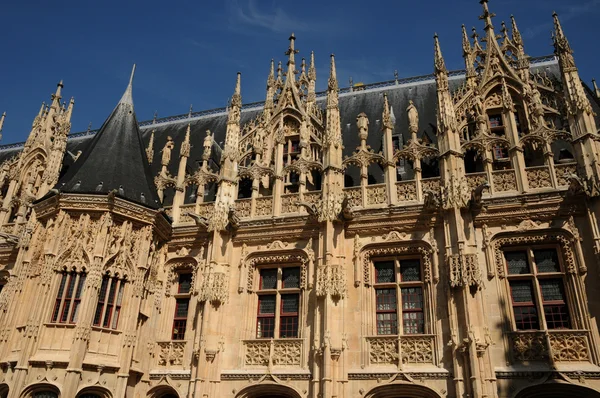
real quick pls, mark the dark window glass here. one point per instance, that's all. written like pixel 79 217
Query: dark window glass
pixel 413 322
pixel 386 299
pixel 185 283
pixel 181 308
pixel 179 326
pixel 410 270
pixel 517 262
pixel 526 318
pixel 266 305
pixel 268 279
pixel 265 328
pixel 289 303
pixel 59 295
pixel 288 327
pixel 385 272
pixel 291 278
pixel 412 310
pixel 521 291
pixel 546 260
pixel 387 323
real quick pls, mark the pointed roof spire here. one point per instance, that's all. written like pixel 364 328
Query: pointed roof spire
pixel 596 91
pixel 516 35
pixel 440 65
pixel 332 83
pixel 279 80
pixel 236 99
pixel 4 116
pixel 127 97
pixel 57 96
pixel 116 156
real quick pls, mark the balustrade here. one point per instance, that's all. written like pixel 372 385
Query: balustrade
pixel 504 181
pixel 170 353
pixel 376 194
pixel 407 190
pixel 563 171
pixel 538 177
pixel 264 206
pixel 289 203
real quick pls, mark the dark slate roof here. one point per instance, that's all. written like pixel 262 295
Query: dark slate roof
pixel 368 99
pixel 114 159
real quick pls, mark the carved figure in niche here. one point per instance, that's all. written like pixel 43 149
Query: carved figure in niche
pixel 166 151
pixel 495 64
pixel 413 117
pixel 362 122
pixel 258 141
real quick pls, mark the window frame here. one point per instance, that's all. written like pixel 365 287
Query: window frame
pixel 279 291
pixel 534 277
pixel 181 297
pixel 397 286
pixel 67 304
pixel 110 302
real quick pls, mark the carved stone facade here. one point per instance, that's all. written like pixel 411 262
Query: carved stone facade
pixel 324 251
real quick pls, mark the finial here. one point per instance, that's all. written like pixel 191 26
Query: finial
pixel 271 78
pixel 4 117
pixel 561 44
pixel 333 85
pixel 303 66
pixel 59 87
pixel 439 64
pixel 236 99
pixel 396 75
pixel 127 97
pixel 154 117
pixel 487 16
pixel 89 127
pixel 350 82
pixel 291 50
pixel 191 110
pixel 504 30
pixel 465 41
pixel 42 108
pixel 279 73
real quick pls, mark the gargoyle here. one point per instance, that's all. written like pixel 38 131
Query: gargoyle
pixel 10 238
pixel 311 208
pixel 477 195
pixel 347 213
pixel 234 220
pixel 576 186
pixel 200 221
pixel 431 199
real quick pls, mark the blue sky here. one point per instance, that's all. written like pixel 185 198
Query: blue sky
pixel 188 52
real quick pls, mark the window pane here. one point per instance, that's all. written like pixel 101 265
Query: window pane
pixel 552 290
pixel 526 318
pixel 179 329
pixel 546 260
pixel 410 270
pixel 268 279
pixel 384 272
pixel 61 289
pixel 521 291
pixel 557 316
pixel 413 322
pixel 266 305
pixel 386 299
pixel 291 278
pixel 181 308
pixel 517 262
pixel 185 283
pixel 288 327
pixel 387 323
pixel 80 286
pixel 265 328
pixel 75 311
pixel 412 298
pixel 289 303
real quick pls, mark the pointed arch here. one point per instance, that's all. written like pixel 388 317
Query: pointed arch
pixel 38 388
pixel 404 390
pixel 94 392
pixel 163 391
pixel 557 390
pixel 269 389
pixel 4 390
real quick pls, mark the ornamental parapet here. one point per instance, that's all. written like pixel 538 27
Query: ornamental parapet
pixel 274 352
pixel 410 349
pixel 555 345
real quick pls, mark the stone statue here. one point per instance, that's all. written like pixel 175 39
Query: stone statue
pixel 166 151
pixel 413 117
pixel 208 140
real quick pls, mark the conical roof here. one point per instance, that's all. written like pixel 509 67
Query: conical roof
pixel 115 159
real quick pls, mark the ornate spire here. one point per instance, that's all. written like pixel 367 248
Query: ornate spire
pixel 291 52
pixel 232 136
pixel 440 65
pixel 184 151
pixel 270 89
pixel 465 41
pixel 312 72
pixel 57 96
pixel 150 148
pixel 507 101
pixel 236 99
pixel 487 16
pixel 386 116
pixel 332 83
pixel 2 123
pixel 561 45
pixel 516 35
pixel 596 92
pixel 279 81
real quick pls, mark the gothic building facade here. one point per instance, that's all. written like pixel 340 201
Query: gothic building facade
pixel 428 237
